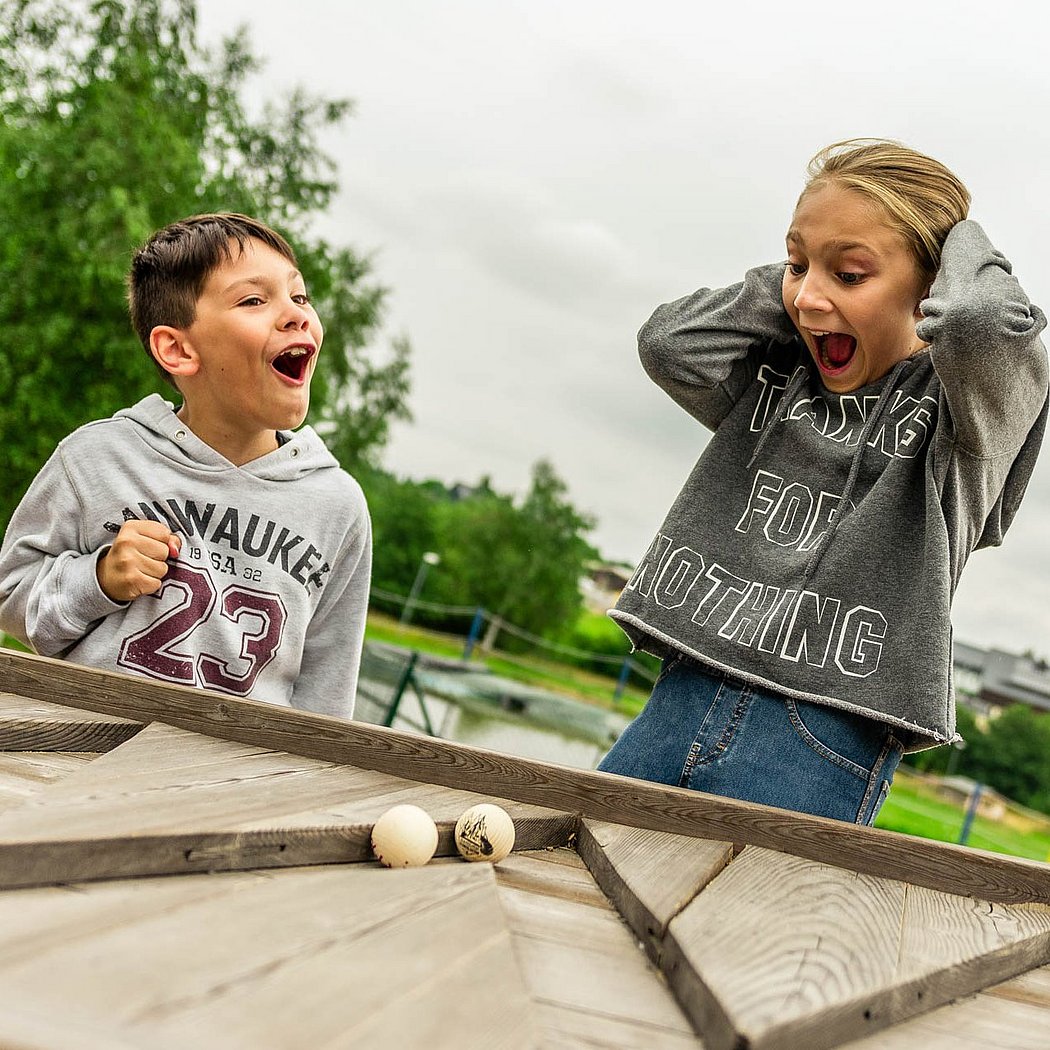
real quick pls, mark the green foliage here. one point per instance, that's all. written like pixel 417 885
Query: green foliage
pixel 945 760
pixel 114 121
pixel 519 560
pixel 1015 756
pixel 1012 755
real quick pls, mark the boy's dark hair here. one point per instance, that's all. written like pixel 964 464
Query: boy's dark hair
pixel 168 272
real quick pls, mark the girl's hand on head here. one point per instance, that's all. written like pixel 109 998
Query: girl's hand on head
pixel 137 561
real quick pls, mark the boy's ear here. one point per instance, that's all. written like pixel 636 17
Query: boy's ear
pixel 172 351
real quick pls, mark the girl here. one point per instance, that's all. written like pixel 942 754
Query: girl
pixel 877 406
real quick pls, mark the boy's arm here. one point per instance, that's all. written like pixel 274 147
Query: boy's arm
pixel 699 348
pixel 327 682
pixel 985 346
pixel 50 595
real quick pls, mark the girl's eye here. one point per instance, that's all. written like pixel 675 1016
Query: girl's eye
pixel 851 278
pixel 797 269
pixel 302 298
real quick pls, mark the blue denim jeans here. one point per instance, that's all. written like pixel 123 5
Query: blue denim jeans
pixel 709 731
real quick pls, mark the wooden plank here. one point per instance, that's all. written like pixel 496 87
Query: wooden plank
pixel 1014 1015
pixel 334 957
pixel 953 869
pixel 649 875
pixel 782 952
pixel 35 725
pixel 171 802
pixel 25 773
pixel 590 982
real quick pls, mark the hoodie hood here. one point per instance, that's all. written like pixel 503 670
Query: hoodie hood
pixel 156 423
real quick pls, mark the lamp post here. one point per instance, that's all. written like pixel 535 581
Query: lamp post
pixel 429 558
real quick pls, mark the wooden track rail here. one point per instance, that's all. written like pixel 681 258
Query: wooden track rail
pixel 601 796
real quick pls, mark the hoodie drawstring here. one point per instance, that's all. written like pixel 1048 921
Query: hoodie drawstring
pixel 797 380
pixel 798 377
pixel 854 471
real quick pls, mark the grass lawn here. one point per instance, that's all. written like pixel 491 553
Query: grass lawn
pixel 911 809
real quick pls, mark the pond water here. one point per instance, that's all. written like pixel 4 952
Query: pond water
pixel 498 731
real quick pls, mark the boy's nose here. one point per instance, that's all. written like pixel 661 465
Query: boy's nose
pixel 296 317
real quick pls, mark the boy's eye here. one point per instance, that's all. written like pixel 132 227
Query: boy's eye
pixel 797 269
pixel 251 300
pixel 302 298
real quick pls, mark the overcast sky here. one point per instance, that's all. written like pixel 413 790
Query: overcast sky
pixel 533 178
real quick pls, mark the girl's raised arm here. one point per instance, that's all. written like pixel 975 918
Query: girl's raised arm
pixel 704 349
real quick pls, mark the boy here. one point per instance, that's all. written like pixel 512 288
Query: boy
pixel 206 545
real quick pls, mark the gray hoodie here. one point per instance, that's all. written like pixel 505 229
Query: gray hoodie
pixel 817 545
pixel 267 597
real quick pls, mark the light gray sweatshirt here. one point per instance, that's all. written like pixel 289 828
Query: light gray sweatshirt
pixel 817 545
pixel 267 597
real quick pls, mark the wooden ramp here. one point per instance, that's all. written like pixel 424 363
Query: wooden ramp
pixel 629 915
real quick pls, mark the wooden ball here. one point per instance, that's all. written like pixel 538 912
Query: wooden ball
pixel 485 832
pixel 404 837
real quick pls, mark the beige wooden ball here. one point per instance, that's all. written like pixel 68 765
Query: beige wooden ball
pixel 485 832
pixel 404 837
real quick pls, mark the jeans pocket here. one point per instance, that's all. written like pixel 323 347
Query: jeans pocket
pixel 851 742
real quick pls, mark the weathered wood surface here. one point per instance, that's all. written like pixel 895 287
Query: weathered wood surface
pixel 170 802
pixel 25 773
pixel 35 725
pixel 591 984
pixel 1014 1015
pixel 346 956
pixel 649 875
pixel 603 796
pixel 780 952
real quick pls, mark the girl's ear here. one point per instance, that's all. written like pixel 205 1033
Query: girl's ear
pixel 173 352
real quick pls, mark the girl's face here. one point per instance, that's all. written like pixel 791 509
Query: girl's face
pixel 851 286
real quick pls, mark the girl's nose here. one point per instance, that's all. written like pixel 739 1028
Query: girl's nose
pixel 811 296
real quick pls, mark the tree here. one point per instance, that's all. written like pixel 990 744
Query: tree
pixel 1015 758
pixel 522 562
pixel 114 121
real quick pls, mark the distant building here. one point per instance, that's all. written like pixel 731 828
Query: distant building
pixel 990 679
pixel 602 585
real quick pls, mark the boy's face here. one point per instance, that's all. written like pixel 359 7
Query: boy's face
pixel 254 342
pixel 852 288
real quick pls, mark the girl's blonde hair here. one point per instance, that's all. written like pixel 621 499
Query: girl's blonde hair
pixel 921 198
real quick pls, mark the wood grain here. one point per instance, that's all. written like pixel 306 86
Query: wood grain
pixel 782 952
pixel 26 773
pixel 604 796
pixel 334 957
pixel 35 725
pixel 170 802
pixel 649 875
pixel 590 983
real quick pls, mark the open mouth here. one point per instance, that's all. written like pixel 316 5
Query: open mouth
pixel 835 350
pixel 293 362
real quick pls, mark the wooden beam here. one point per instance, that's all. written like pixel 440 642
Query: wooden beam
pixel 34 725
pixel 649 875
pixel 51 862
pixel 953 869
pixel 779 953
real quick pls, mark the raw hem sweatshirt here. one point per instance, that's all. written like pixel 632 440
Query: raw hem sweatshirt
pixel 817 544
pixel 267 598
